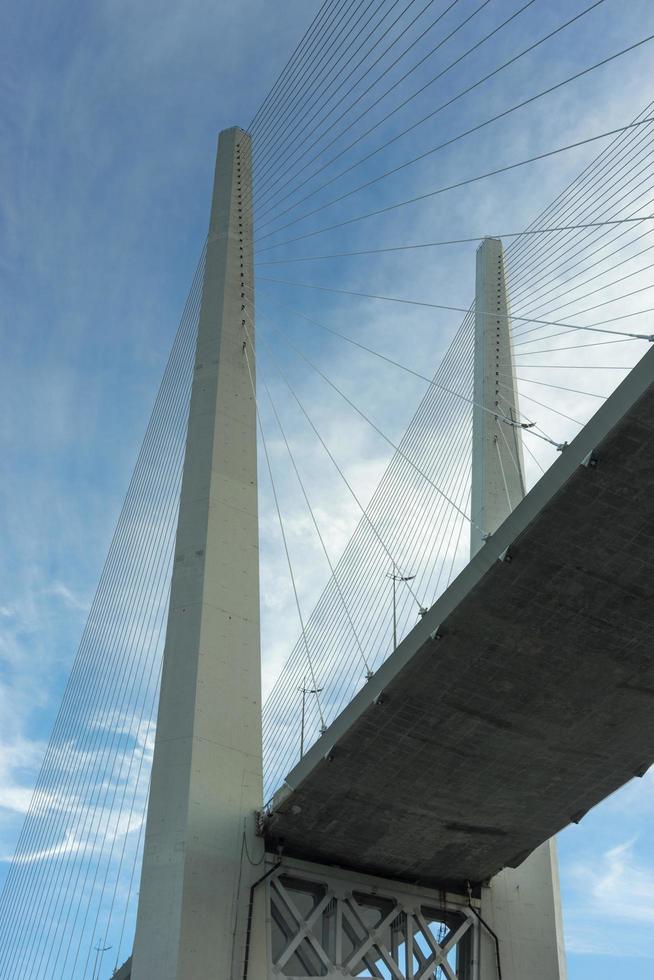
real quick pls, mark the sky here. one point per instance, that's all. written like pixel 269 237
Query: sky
pixel 110 113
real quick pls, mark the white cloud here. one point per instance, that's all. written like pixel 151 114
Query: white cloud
pixel 67 596
pixel 20 759
pixel 618 889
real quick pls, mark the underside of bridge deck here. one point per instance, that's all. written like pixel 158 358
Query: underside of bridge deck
pixel 521 700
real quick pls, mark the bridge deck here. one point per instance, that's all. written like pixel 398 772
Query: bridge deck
pixel 534 704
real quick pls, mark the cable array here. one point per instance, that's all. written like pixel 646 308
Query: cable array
pixel 412 518
pixel 80 842
pixel 595 227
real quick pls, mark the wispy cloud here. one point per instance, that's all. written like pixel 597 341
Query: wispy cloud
pixel 617 888
pixel 67 596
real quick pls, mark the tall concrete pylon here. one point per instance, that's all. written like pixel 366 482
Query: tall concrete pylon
pixel 521 905
pixel 497 464
pixel 207 768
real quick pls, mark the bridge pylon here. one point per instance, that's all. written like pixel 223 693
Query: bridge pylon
pixel 523 905
pixel 207 768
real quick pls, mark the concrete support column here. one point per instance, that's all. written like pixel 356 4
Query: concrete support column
pixel 521 905
pixel 207 770
pixel 497 463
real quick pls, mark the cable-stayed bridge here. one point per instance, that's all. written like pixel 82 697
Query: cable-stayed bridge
pixel 476 673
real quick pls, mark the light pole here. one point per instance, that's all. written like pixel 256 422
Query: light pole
pixel 396 577
pixel 304 690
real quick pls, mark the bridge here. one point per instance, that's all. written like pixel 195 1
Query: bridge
pixel 525 691
pixel 476 674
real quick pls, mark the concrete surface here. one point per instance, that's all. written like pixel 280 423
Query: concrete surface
pixel 497 484
pixel 521 905
pixel 207 769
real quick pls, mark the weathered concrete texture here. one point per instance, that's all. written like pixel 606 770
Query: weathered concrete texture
pixel 533 706
pixel 523 907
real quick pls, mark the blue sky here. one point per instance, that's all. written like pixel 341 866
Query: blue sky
pixel 109 124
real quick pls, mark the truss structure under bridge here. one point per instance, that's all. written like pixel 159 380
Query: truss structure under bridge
pixel 331 923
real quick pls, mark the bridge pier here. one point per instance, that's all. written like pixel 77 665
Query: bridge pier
pixel 498 483
pixel 521 905
pixel 207 768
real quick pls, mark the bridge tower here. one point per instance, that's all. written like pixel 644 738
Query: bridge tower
pixel 207 769
pixel 522 905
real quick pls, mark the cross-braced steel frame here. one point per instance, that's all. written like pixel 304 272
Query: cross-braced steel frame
pixel 330 923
